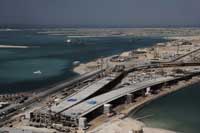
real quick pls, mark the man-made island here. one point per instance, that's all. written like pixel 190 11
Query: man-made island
pixel 108 90
pixel 13 46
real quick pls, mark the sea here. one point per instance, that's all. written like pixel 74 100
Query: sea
pixel 49 59
pixel 179 111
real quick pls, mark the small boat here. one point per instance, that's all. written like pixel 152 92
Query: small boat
pixel 68 41
pixel 37 72
pixel 76 63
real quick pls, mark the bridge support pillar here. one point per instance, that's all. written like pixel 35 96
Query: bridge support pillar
pixel 82 123
pixel 107 109
pixel 129 98
pixel 148 91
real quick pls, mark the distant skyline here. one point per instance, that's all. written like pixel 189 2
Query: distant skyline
pixel 100 13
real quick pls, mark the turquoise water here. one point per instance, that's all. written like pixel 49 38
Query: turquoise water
pixel 179 111
pixel 53 57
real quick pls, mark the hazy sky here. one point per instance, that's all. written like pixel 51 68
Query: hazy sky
pixel 100 12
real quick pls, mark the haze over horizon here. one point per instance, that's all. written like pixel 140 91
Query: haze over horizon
pixel 100 12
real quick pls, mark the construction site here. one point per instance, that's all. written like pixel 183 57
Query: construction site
pixel 111 82
pixel 107 93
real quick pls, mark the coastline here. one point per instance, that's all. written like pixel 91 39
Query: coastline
pixel 163 93
pixel 92 65
pixel 102 124
pixel 122 117
pixel 131 109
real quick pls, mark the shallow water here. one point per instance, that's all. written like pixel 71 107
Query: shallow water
pixel 53 57
pixel 179 111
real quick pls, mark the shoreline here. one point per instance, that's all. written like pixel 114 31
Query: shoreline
pixel 136 106
pixel 163 93
pixel 90 65
pixel 132 111
pixel 129 110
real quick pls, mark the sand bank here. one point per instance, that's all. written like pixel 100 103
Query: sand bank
pixel 13 46
pixel 187 38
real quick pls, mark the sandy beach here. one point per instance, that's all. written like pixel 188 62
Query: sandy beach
pixel 124 126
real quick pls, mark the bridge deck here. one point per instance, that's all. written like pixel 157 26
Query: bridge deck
pixel 81 95
pixel 89 105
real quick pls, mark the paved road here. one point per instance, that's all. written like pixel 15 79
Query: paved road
pixel 180 57
pixel 89 105
pixel 81 95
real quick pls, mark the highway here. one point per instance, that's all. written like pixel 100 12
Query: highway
pixel 81 95
pixel 182 56
pixel 89 105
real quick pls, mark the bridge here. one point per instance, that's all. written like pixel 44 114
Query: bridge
pixel 84 104
pixel 92 104
pixel 82 94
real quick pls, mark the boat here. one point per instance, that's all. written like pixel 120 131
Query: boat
pixel 76 63
pixel 37 72
pixel 68 41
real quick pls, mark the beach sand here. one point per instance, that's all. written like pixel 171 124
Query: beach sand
pixel 126 125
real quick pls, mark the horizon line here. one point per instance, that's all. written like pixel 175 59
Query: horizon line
pixel 96 26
